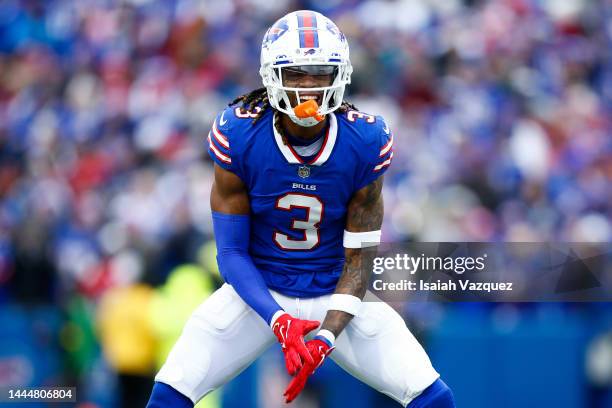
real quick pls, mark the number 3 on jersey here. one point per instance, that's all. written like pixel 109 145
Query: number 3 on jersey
pixel 309 227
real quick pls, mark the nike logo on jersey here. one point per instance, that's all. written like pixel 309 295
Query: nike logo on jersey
pixel 386 129
pixel 309 187
pixel 222 121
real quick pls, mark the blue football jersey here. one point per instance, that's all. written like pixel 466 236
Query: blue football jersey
pixel 298 209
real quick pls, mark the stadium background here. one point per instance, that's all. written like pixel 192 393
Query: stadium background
pixel 501 112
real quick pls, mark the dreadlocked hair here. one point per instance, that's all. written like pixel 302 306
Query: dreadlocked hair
pixel 255 98
pixel 258 98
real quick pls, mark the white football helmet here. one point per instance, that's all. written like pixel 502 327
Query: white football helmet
pixel 304 38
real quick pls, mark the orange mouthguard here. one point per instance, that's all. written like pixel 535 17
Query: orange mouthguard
pixel 308 109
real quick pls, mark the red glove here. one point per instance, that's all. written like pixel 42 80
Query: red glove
pixel 290 333
pixel 319 349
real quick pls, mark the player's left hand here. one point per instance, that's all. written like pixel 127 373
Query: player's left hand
pixel 290 333
pixel 318 349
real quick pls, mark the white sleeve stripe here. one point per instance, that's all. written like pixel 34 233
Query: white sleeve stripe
pixel 361 239
pixel 384 164
pixel 216 151
pixel 386 147
pixel 219 136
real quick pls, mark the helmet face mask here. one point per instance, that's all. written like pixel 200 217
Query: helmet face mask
pixel 308 42
pixel 305 82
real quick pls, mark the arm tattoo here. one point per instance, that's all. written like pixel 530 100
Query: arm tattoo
pixel 365 213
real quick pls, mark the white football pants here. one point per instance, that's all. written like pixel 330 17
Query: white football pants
pixel 224 335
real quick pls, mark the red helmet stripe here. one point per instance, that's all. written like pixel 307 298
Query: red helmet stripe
pixel 307 24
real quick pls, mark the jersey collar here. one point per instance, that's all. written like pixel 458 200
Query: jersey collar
pixel 326 148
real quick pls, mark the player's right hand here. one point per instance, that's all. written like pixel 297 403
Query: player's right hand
pixel 290 333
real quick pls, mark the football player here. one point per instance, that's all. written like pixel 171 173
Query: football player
pixel 297 209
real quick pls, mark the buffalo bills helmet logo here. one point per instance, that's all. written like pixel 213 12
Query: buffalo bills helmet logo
pixel 276 31
pixel 334 30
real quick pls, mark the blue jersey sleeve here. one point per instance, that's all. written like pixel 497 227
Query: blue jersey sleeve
pixel 236 266
pixel 378 157
pixel 218 140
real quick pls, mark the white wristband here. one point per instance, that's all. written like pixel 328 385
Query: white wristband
pixel 328 335
pixel 345 303
pixel 361 239
pixel 275 316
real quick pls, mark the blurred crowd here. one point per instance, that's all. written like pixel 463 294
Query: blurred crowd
pixel 501 112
